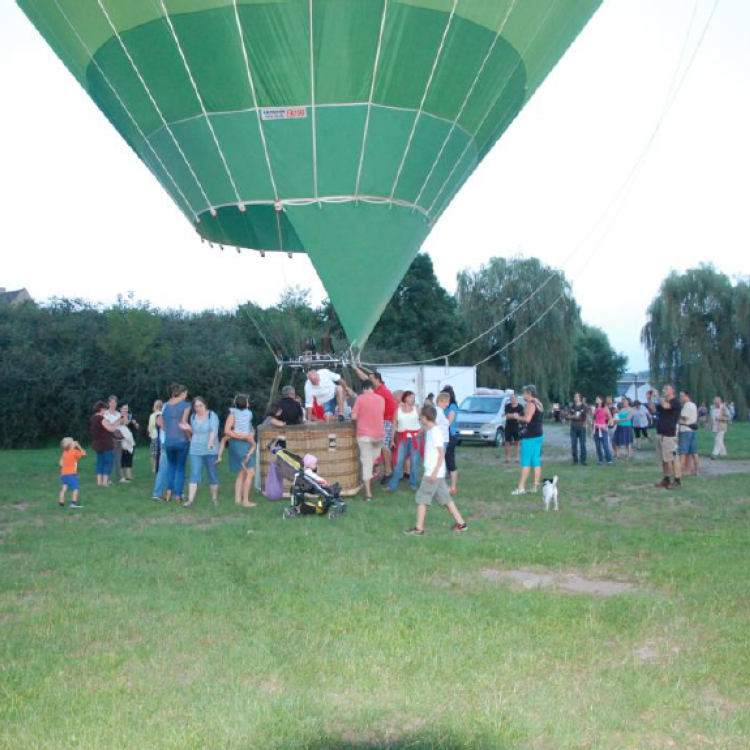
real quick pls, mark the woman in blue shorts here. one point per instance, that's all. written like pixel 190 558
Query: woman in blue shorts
pixel 531 439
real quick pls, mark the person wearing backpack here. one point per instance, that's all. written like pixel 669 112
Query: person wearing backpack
pixel 203 430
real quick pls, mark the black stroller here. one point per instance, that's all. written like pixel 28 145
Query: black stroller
pixel 308 497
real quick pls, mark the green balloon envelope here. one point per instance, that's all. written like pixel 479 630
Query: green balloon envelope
pixel 337 128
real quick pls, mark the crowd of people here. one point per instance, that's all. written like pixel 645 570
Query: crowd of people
pixel 618 428
pixel 395 437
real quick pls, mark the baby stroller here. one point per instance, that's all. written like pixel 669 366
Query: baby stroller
pixel 308 495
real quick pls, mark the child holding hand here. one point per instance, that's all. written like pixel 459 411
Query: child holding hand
pixel 71 453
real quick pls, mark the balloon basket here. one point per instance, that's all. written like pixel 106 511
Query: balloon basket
pixel 334 444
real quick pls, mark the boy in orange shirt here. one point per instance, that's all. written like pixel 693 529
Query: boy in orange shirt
pixel 72 451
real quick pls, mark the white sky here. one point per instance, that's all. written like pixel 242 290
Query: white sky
pixel 84 218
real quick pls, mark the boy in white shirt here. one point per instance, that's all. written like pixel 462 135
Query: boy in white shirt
pixel 433 482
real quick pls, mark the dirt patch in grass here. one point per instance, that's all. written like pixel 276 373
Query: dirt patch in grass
pixel 710 468
pixel 656 651
pixel 566 582
pixel 388 732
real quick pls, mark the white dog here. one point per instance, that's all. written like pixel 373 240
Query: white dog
pixel 549 492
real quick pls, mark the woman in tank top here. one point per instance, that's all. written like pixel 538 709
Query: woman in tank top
pixel 407 441
pixel 532 435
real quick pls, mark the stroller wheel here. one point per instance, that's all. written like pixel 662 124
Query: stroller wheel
pixel 336 511
pixel 290 512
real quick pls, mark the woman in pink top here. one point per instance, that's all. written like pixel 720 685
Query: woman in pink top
pixel 368 411
pixel 602 421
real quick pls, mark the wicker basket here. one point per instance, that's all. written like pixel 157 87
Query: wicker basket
pixel 334 444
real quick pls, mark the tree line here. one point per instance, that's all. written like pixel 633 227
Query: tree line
pixel 698 335
pixel 58 358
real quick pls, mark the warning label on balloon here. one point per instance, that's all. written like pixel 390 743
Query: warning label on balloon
pixel 283 113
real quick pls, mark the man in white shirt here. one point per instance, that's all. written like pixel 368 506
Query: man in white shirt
pixel 323 387
pixel 688 434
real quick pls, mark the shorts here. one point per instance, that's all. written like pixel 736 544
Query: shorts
pixel 641 432
pixel 126 459
pixel 196 465
pixel 329 407
pixel 238 449
pixel 511 437
pixel 531 452
pixel 153 449
pixel 666 448
pixel 70 481
pixel 689 443
pixel 429 490
pixel 369 450
pixel 388 433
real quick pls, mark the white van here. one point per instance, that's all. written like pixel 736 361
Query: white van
pixel 481 417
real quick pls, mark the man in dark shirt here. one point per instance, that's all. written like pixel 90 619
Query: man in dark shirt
pixel 511 426
pixel 291 409
pixel 578 414
pixel 667 408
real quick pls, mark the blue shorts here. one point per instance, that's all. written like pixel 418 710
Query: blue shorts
pixel 238 449
pixel 531 452
pixel 196 465
pixel 689 443
pixel 70 481
pixel 329 407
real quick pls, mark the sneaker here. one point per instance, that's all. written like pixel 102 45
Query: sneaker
pixel 75 505
pixel 62 504
pixel 664 484
pixel 155 497
pixel 518 491
pixel 386 478
pixel 415 532
pixel 675 485
pixel 461 526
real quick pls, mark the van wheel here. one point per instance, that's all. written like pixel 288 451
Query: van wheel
pixel 500 438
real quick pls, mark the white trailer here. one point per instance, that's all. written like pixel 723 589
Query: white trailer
pixel 426 379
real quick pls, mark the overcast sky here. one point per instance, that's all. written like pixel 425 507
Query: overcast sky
pixel 84 218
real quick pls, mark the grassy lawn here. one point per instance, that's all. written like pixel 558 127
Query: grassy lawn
pixel 133 624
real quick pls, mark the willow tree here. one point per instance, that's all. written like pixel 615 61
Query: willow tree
pixel 537 324
pixel 697 335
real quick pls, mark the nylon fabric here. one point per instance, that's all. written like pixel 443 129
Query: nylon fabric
pixel 359 247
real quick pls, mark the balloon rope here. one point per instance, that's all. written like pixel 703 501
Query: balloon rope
pixel 621 193
pixel 246 309
pixel 425 93
pixel 369 101
pixel 201 104
pixel 457 118
pixel 146 142
pixel 156 107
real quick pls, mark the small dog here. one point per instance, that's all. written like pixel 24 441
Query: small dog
pixel 549 492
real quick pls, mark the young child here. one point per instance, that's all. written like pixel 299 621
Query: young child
pixel 72 451
pixel 242 429
pixel 433 482
pixel 443 402
pixel 310 463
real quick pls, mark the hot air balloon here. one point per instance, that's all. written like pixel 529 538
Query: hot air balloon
pixel 337 128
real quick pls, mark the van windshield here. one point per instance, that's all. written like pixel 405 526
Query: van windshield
pixel 481 405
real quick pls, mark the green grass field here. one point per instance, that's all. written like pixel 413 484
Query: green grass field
pixel 133 624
